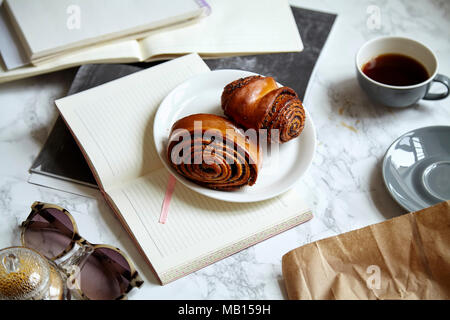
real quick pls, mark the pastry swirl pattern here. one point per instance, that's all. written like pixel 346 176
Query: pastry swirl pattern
pixel 211 151
pixel 257 102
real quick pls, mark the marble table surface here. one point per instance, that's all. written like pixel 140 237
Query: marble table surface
pixel 344 186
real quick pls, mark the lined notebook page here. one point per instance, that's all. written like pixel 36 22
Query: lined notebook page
pixel 269 27
pixel 114 122
pixel 199 229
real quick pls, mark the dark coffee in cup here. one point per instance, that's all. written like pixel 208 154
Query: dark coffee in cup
pixel 395 69
pixel 398 72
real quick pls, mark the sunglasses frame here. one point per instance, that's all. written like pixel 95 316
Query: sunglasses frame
pixel 135 280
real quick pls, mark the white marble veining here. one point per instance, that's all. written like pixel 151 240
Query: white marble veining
pixel 343 187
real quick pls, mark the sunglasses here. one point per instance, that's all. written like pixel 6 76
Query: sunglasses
pixel 101 272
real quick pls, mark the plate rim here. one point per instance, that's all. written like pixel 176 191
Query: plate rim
pixel 383 165
pixel 195 187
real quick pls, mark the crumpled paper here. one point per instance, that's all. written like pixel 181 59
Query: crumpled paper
pixel 407 257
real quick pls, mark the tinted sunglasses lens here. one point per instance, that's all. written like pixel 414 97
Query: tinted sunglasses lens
pixel 50 232
pixel 105 275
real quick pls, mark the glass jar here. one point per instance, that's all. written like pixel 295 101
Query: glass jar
pixel 27 275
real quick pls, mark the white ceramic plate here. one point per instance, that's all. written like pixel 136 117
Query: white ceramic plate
pixel 201 94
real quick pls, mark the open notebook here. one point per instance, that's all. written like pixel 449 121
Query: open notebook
pixel 112 123
pixel 234 27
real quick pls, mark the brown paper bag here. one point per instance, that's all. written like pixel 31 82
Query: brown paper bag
pixel 407 257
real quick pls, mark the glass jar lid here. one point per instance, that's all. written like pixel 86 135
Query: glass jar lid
pixel 24 274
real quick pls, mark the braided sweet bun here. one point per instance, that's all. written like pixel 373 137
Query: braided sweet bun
pixel 257 102
pixel 218 157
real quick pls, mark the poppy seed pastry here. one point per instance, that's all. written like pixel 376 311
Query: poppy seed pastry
pixel 257 102
pixel 211 151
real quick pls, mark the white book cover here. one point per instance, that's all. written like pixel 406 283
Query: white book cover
pixel 47 27
pixel 112 123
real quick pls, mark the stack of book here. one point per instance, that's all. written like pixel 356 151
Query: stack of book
pixel 47 29
pixel 43 36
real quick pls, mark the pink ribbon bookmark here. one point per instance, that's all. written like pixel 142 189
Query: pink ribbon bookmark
pixel 165 206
